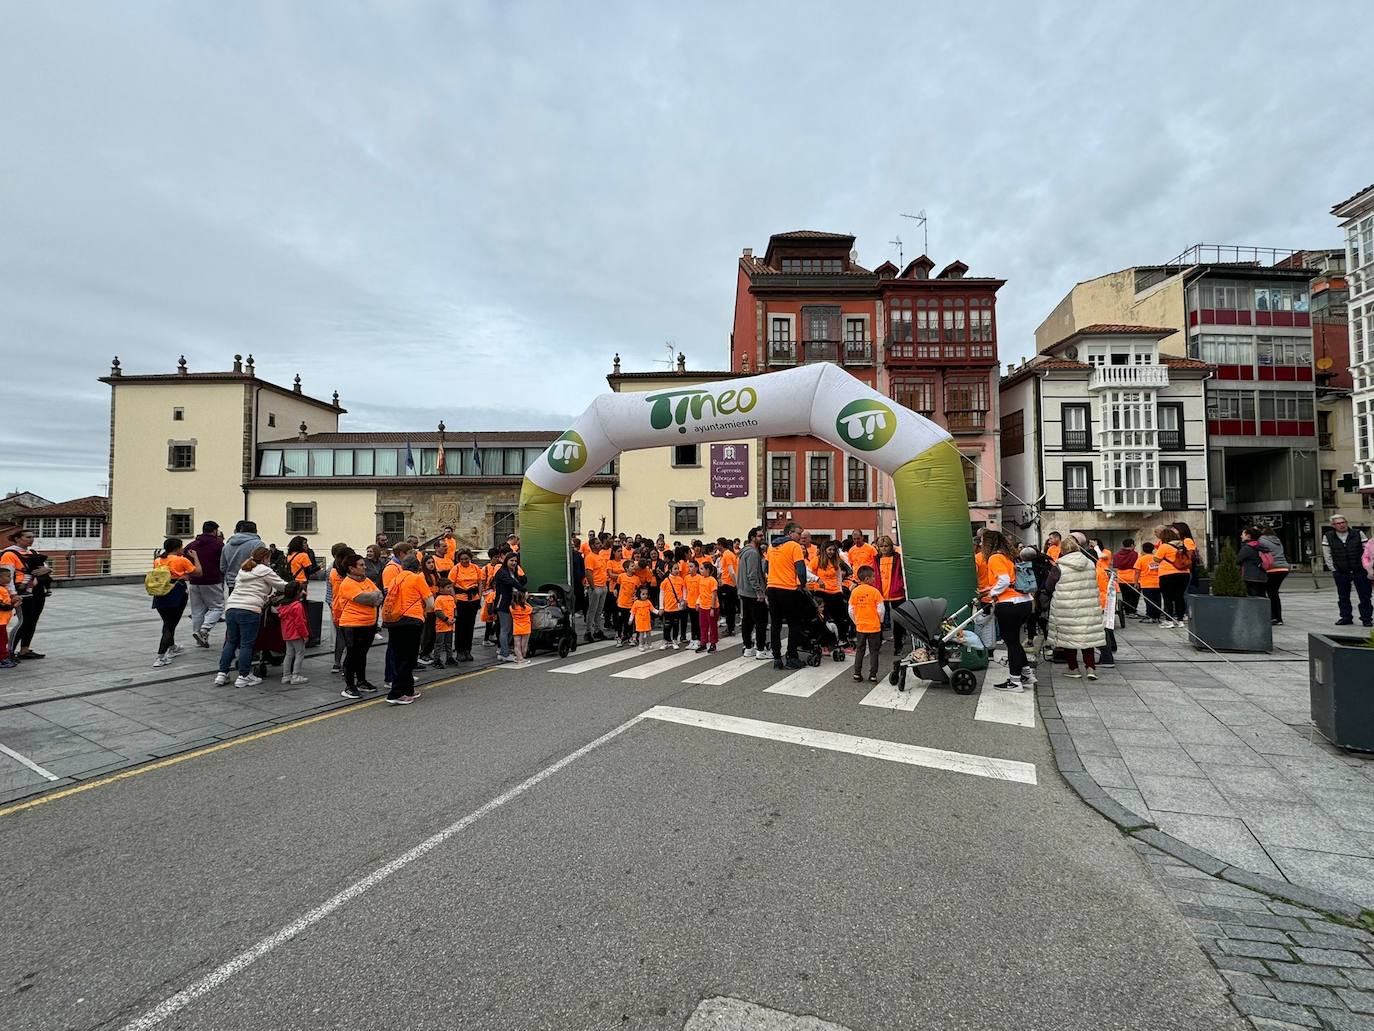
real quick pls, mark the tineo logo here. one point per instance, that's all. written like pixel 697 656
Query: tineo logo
pixel 568 453
pixel 866 424
pixel 697 403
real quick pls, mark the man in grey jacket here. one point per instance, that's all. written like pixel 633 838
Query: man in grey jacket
pixel 237 550
pixel 753 596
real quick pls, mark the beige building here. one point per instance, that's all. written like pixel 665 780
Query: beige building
pixel 186 447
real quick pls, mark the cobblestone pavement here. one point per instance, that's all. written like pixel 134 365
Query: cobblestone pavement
pixel 1218 751
pixel 1286 966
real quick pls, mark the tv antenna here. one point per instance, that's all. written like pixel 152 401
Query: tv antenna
pixel 920 219
pixel 671 347
pixel 897 242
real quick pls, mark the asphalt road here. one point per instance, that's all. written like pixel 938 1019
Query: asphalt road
pixel 667 865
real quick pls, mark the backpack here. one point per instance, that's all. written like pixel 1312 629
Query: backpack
pixel 1266 559
pixel 392 611
pixel 1183 561
pixel 1025 577
pixel 158 582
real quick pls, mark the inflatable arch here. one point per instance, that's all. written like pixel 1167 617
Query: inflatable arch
pixel 821 400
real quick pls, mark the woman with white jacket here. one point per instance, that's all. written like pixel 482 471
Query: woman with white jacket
pixel 243 617
pixel 1076 612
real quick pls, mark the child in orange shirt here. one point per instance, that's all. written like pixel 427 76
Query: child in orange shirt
pixel 693 583
pixel 488 618
pixel 672 601
pixel 866 609
pixel 8 602
pixel 1147 577
pixel 642 611
pixel 520 612
pixel 171 605
pixel 445 609
pixel 708 615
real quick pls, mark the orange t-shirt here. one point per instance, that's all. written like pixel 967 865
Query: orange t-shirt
pixel 782 565
pixel 9 598
pixel 629 585
pixel 861 555
pixel 597 572
pixel 693 583
pixel 390 572
pixel 468 580
pixel 643 610
pixel 864 600
pixel 414 590
pixel 1052 552
pixel 998 566
pixel 828 581
pixel 672 595
pixel 351 613
pixel 336 605
pixel 1167 555
pixel 981 565
pixel 488 600
pixel 729 568
pixel 614 568
pixel 706 593
pixel 299 562
pixel 16 562
pixel 177 565
pixel 445 606
pixel 585 548
pixel 1147 570
pixel 520 619
pixel 885 574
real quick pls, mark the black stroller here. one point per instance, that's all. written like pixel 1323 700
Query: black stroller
pixel 551 622
pixel 942 652
pixel 819 635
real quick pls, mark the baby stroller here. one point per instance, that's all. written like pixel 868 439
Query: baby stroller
pixel 269 649
pixel 551 623
pixel 942 651
pixel 819 636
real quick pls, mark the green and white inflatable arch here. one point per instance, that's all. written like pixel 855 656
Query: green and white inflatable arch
pixel 822 400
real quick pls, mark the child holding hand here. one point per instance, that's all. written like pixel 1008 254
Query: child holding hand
pixel 708 594
pixel 520 612
pixel 642 611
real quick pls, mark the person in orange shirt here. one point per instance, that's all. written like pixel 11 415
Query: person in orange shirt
pixel 729 580
pixel 8 601
pixel 521 615
pixel 445 552
pixel 596 564
pixel 891 584
pixel 1147 576
pixel 409 600
pixel 626 590
pixel 708 609
pixel 692 581
pixel 867 610
pixel 1011 607
pixel 301 561
pixel 445 614
pixel 831 570
pixel 642 612
pixel 787 594
pixel 1052 549
pixel 861 553
pixel 172 605
pixel 466 577
pixel 356 601
pixel 672 602
pixel 1175 563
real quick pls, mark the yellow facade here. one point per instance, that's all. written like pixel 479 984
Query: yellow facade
pixel 1112 299
pixel 341 514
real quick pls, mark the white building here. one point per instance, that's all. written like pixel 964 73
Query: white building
pixel 1102 433
pixel 1357 219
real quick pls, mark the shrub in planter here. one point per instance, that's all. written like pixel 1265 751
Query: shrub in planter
pixel 1227 620
pixel 1340 676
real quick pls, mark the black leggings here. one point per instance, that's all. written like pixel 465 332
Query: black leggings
pixel 754 622
pixel 359 640
pixel 405 644
pixel 170 619
pixel 33 608
pixel 837 612
pixel 784 606
pixel 464 620
pixel 1174 585
pixel 1271 588
pixel 1011 616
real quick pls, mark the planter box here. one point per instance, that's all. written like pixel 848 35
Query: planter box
pixel 1341 678
pixel 1203 586
pixel 1230 624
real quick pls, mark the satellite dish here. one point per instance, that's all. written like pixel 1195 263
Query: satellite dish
pixel 1325 363
pixel 1071 353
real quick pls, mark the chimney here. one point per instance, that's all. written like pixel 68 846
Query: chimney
pixel 302 435
pixel 681 364
pixel 748 252
pixel 296 386
pixel 115 370
pixel 238 363
pixel 181 365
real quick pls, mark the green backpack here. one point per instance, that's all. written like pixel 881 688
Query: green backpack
pixel 158 582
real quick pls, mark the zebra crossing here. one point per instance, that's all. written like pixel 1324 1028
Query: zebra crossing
pixel 601 658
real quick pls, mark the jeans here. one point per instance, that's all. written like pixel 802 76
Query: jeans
pixel 405 645
pixel 295 659
pixel 521 646
pixel 870 644
pixel 1011 616
pixel 359 640
pixel 784 607
pixel 729 603
pixel 754 621
pixel 1344 581
pixel 506 642
pixel 443 645
pixel 207 605
pixel 241 631
pixel 596 605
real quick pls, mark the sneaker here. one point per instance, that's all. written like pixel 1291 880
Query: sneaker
pixel 386 684
pixel 792 662
pixel 221 679
pixel 1276 622
pixel 1012 685
pixel 709 649
pixel 522 663
pixel 762 656
pixel 1073 674
pixel 403 700
pixel 248 681
pixel 1028 681
pixel 296 678
pixel 202 638
pixel 162 660
pixel 700 648
pixel 177 650
pixel 8 664
pixel 351 692
pixel 749 653
pixel 777 664
pixel 335 669
pixel 367 688
pixel 506 658
pixel 286 679
pixel 1092 674
pixel 1106 665
pixel 665 646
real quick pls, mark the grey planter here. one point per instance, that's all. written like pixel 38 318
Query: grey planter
pixel 1230 624
pixel 1340 676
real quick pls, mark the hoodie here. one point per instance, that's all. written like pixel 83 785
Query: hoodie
pixel 208 547
pixel 238 549
pixel 253 588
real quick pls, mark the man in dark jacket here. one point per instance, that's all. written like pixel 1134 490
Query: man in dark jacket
pixel 1343 551
pixel 206 587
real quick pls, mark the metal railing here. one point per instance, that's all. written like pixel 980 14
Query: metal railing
pixel 1171 440
pixel 1232 254
pixel 1079 499
pixel 796 352
pixel 1172 499
pixel 1077 440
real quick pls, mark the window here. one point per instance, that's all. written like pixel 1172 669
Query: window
pixel 271 418
pixel 781 347
pixel 426 460
pixel 915 392
pixel 394 524
pixel 686 456
pixel 822 321
pixel 899 321
pixel 321 462
pixel 811 266
pixel 1171 426
pixel 857 479
pixel 819 477
pixel 48 527
pixel 300 518
pixel 966 402
pixel 181 457
pixel 343 463
pixel 269 463
pixel 1280 298
pixel 686 518
pixel 1230 404
pixel 64 526
pixel 79 526
pixel 780 479
pixel 179 523
pixel 1226 349
pixel 514 461
pixel 1074 425
pixel 1173 486
pixel 1078 491
pixel 970 464
pixel 927 322
pixel 1013 433
pixel 980 318
pixel 1230 296
pixel 1286 405
pixel 1286 351
pixel 1328 488
pixel 364 463
pixel 575 517
pixel 296 463
pixel 502 525
pixel 178 414
pixel 954 320
pixel 385 462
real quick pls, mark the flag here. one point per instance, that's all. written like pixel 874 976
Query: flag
pixel 410 459
pixel 439 463
pixel 476 456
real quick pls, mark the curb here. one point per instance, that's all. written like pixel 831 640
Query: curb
pixel 1070 767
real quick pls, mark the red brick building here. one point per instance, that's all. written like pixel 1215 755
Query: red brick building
pixel 929 342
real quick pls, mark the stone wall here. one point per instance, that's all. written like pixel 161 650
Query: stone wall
pixel 471 511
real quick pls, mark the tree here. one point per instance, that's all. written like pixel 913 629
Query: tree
pixel 1226 579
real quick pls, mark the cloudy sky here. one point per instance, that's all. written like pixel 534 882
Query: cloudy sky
pixel 462 210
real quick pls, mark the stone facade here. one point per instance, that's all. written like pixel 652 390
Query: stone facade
pixel 475 512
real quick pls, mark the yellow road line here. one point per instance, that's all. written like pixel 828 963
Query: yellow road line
pixel 173 760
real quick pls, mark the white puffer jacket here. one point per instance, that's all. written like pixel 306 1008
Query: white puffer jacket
pixel 253 587
pixel 1075 614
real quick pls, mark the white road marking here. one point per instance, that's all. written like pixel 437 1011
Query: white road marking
pixel 175 1003
pixel 726 1014
pixel 610 659
pixel 1006 707
pixel 725 672
pixel 892 751
pixel 25 760
pixel 652 669
pixel 544 660
pixel 885 696
pixel 809 679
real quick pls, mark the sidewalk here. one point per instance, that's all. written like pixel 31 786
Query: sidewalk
pixel 1219 751
pixel 95 704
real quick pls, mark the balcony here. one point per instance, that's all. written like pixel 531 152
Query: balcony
pixel 1078 499
pixel 794 352
pixel 1173 499
pixel 1129 499
pixel 966 422
pixel 858 352
pixel 1326 441
pixel 1171 440
pixel 1077 440
pixel 913 352
pixel 1128 377
pixel 1328 497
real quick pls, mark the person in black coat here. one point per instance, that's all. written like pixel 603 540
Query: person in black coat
pixel 507 581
